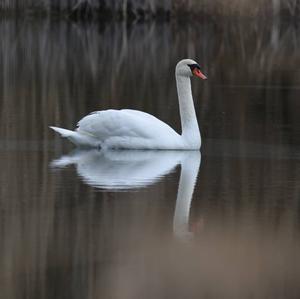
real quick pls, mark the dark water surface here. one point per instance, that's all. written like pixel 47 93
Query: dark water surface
pixel 223 224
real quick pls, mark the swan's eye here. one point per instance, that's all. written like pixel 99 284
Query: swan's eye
pixel 195 68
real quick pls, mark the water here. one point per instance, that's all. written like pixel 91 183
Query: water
pixel 223 224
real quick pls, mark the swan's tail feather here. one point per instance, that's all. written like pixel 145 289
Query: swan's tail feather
pixel 63 132
pixel 79 139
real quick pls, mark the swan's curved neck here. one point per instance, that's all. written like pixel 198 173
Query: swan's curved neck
pixel 189 124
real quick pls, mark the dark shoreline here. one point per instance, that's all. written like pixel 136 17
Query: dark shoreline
pixel 104 13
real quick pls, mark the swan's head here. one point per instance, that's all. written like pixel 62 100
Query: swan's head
pixel 189 68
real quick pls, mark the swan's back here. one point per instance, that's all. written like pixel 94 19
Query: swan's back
pixel 128 128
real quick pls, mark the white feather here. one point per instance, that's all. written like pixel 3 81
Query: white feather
pixel 78 138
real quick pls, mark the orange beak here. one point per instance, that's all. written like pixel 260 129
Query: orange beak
pixel 198 73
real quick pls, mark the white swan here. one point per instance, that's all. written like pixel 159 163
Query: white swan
pixel 132 129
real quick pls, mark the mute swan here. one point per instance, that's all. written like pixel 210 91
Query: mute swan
pixel 132 129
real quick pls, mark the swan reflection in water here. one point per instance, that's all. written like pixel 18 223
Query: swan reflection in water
pixel 131 169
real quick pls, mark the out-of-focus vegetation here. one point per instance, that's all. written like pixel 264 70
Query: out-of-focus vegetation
pixel 151 8
pixel 57 72
pixel 238 7
pixel 90 8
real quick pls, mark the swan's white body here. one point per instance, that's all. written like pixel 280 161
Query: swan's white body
pixel 132 129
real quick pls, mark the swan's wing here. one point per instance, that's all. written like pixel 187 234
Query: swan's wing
pixel 124 123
